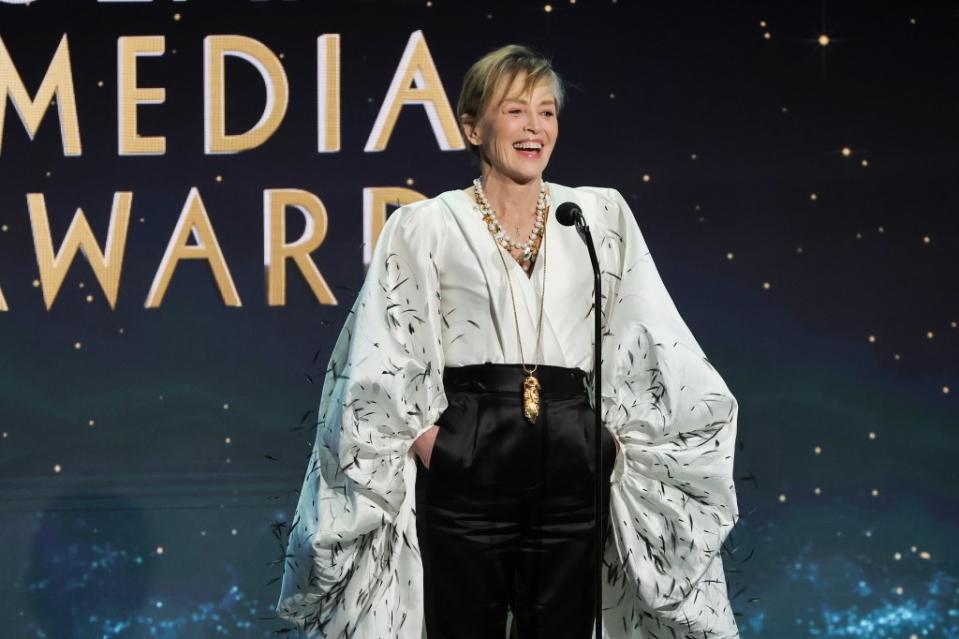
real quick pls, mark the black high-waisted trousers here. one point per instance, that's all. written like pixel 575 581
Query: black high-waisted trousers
pixel 504 514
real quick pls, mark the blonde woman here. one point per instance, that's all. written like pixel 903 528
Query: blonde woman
pixel 450 488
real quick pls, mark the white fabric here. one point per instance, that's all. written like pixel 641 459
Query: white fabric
pixel 436 295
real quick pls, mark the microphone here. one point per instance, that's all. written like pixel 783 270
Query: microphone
pixel 568 213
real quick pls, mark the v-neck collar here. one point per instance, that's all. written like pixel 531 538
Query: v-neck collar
pixel 515 266
pixel 561 280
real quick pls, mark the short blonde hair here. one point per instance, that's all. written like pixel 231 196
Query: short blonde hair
pixel 484 77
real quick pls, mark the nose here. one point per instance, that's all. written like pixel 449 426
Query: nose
pixel 533 124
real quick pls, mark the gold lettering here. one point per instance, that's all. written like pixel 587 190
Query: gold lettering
pixel 129 95
pixel 193 220
pixel 328 85
pixel 276 251
pixel 215 48
pixel 54 264
pixel 57 80
pixel 416 67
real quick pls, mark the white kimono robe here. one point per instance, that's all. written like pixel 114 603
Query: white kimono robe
pixel 436 295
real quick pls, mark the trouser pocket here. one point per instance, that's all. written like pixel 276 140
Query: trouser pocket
pixel 452 426
pixel 588 422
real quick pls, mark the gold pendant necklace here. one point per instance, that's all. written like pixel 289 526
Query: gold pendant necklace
pixel 531 385
pixel 531 390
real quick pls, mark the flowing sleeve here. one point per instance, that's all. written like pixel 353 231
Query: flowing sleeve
pixel 672 498
pixel 382 389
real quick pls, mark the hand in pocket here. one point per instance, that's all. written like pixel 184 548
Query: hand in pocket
pixel 616 441
pixel 423 445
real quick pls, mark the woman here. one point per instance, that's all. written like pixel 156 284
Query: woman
pixel 447 489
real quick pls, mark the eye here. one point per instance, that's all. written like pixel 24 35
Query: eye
pixel 515 110
pixel 548 114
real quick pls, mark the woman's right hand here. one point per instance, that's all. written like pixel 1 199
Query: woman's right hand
pixel 423 445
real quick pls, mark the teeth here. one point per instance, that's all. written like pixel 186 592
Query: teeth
pixel 532 146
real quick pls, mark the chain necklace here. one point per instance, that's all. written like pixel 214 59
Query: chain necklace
pixel 531 385
pixel 531 245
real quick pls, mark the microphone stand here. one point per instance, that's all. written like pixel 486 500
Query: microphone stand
pixel 599 507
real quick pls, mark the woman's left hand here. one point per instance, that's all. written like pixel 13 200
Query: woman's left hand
pixel 423 445
pixel 615 441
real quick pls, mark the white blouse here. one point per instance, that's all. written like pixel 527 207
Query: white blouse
pixel 436 295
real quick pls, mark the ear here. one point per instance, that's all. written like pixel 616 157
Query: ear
pixel 470 130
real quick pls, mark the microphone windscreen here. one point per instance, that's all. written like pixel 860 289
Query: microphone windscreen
pixel 567 213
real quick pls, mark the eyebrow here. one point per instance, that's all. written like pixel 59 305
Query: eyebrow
pixel 541 102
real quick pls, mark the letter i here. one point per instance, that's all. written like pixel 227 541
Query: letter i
pixel 328 92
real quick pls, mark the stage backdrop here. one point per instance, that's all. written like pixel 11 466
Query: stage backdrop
pixel 190 192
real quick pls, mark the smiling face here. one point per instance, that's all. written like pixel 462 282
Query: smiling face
pixel 517 132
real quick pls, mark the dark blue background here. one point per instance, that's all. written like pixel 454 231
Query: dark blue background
pixel 652 84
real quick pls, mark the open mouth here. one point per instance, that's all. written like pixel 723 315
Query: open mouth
pixel 529 149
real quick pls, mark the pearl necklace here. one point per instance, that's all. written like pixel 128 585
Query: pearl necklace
pixel 531 246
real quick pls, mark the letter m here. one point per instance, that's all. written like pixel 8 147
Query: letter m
pixel 58 81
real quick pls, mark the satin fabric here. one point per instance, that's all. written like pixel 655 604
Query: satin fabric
pixel 436 295
pixel 505 509
pixel 478 320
